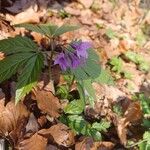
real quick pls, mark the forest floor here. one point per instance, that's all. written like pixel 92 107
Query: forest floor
pixel 120 33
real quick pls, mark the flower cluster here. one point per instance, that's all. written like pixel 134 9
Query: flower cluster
pixel 73 59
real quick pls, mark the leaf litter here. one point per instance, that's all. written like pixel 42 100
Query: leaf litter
pixel 112 26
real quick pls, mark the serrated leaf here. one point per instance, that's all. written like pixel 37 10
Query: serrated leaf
pixel 102 126
pixel 74 107
pixel 65 28
pixel 48 29
pixel 10 64
pixel 95 134
pixel 117 64
pixel 45 29
pixel 17 44
pixel 28 79
pixel 78 124
pixel 90 70
pixel 104 78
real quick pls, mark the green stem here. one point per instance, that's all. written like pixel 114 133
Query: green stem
pixel 72 81
pixel 136 143
pixel 51 58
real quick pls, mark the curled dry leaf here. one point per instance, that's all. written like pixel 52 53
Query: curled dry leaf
pixel 30 15
pixel 132 114
pixel 35 142
pixel 60 134
pixel 88 144
pixel 11 116
pixel 47 102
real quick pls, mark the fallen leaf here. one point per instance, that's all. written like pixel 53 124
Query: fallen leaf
pixel 47 102
pixel 132 114
pixel 60 133
pixel 32 125
pixel 35 142
pixel 30 15
pixel 86 4
pixel 88 144
pixel 11 116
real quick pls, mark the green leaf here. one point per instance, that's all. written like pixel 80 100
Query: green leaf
pixel 48 29
pixel 62 91
pixel 117 64
pixel 17 44
pixel 102 126
pixel 140 38
pixel 144 66
pixel 10 64
pixel 105 78
pixel 95 134
pixel 65 28
pixel 90 90
pixel 81 91
pixel 44 29
pixel 145 104
pixel 28 79
pixel 90 70
pixel 110 33
pixel 74 107
pixel 134 57
pixel 78 124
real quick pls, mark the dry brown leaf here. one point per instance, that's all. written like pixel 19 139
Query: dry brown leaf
pixel 88 144
pixel 47 102
pixel 32 125
pixel 86 3
pixel 35 142
pixel 132 114
pixel 11 116
pixel 60 133
pixel 30 15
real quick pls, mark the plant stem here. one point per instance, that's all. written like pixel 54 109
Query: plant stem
pixel 70 84
pixel 51 58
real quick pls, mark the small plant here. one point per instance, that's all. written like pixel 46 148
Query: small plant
pixel 117 66
pixel 139 60
pixel 25 58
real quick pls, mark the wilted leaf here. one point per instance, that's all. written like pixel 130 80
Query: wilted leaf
pixel 47 102
pixel 132 114
pixel 89 144
pixel 35 142
pixel 11 116
pixel 59 134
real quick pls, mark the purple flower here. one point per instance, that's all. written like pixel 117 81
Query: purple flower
pixel 73 59
pixel 81 48
pixel 61 60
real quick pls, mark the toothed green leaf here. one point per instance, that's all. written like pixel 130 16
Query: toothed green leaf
pixel 17 44
pixel 29 76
